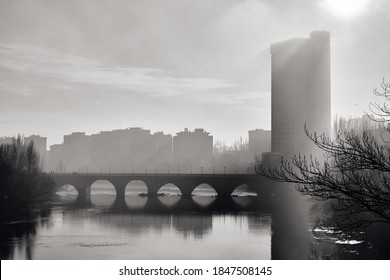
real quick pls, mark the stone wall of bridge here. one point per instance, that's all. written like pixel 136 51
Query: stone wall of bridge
pixel 223 184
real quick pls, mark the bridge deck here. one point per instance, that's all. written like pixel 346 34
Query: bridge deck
pixel 158 174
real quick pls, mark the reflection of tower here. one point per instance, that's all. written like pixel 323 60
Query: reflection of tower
pixel 300 91
pixel 290 224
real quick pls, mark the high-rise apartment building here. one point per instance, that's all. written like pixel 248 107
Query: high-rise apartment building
pixel 300 86
pixel 259 142
pixel 192 149
pixel 123 150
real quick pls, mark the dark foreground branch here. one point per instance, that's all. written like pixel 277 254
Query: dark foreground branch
pixel 354 176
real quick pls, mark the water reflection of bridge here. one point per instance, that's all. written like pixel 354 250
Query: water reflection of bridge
pixel 223 184
pixel 286 206
pixel 185 219
pixel 194 224
pixel 168 204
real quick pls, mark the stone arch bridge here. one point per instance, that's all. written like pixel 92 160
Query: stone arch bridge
pixel 223 184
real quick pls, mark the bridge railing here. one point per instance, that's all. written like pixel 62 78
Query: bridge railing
pixel 149 175
pixel 159 171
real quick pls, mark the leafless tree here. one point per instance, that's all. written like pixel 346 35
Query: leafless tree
pixel 382 110
pixel 354 174
pixel 22 182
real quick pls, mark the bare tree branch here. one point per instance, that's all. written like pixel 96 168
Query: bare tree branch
pixel 354 174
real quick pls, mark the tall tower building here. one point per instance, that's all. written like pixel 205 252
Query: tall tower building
pixel 300 86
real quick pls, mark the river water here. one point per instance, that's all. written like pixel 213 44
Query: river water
pixel 170 227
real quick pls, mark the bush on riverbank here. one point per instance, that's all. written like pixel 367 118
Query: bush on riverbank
pixel 22 183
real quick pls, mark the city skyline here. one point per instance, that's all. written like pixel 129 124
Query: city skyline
pixel 99 66
pixel 137 149
pixel 8 138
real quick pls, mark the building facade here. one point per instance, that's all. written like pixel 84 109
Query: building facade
pixel 300 86
pixel 40 144
pixel 192 150
pixel 124 150
pixel 259 142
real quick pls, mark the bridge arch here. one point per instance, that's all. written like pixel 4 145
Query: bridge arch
pixel 66 189
pixel 204 189
pixel 244 190
pixel 102 193
pixel 169 189
pixel 67 193
pixel 136 188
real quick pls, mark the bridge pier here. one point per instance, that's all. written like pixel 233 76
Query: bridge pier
pixel 120 202
pixel 224 202
pixel 153 188
pixel 186 189
pixel 120 186
pixel 225 190
pixel 84 193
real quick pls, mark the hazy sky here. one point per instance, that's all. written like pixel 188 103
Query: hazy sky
pixel 97 65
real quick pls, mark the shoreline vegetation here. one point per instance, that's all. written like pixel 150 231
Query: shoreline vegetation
pixel 24 187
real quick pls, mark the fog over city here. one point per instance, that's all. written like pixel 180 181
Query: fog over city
pixel 194 130
pixel 89 66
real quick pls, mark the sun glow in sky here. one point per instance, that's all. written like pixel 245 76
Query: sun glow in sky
pixel 346 8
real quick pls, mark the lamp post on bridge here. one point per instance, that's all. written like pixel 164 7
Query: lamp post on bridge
pixel 201 170
pixel 224 170
pixel 191 170
pixel 213 170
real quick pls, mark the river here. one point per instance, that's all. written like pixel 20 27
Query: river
pixel 171 227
